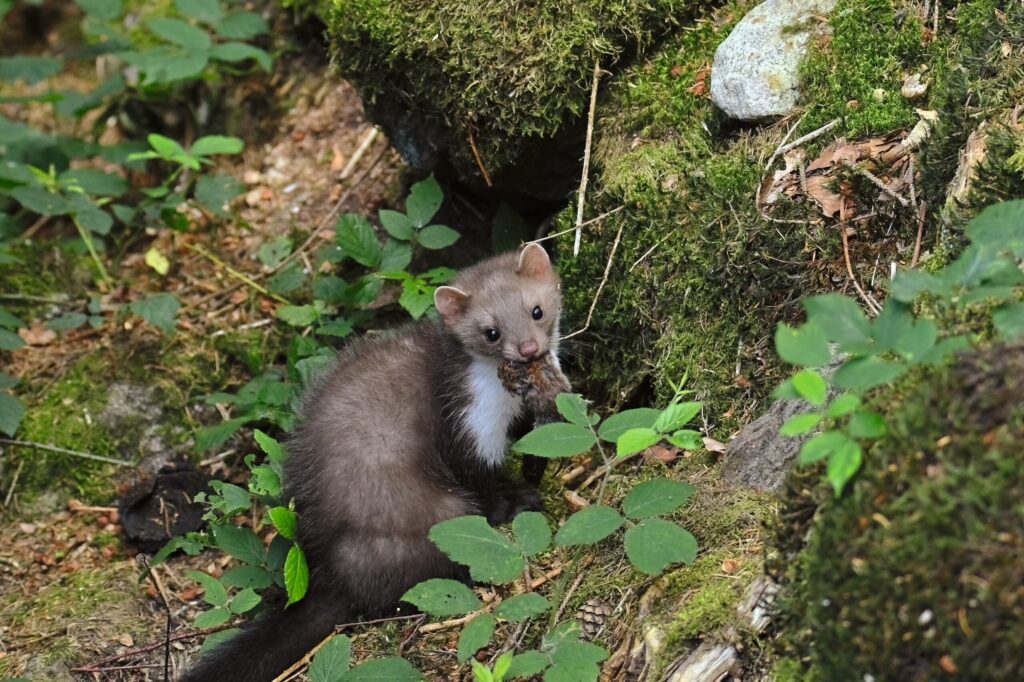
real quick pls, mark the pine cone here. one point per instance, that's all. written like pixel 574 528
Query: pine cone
pixel 592 617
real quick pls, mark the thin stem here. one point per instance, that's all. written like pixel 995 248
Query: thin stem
pixel 64 451
pixel 236 274
pixel 87 238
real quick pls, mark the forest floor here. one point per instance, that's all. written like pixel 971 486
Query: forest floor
pixel 72 592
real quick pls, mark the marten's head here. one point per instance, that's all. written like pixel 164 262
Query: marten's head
pixel 506 307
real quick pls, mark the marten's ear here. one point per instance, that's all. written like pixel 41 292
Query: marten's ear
pixel 450 302
pixel 534 262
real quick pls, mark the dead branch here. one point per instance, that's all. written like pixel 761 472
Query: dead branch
pixel 582 194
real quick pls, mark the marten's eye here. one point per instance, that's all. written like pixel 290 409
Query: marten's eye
pixel 492 335
pixel 537 312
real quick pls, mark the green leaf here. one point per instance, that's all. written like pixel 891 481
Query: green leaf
pixel 469 540
pixel 10 340
pixel 208 145
pixel 475 636
pixel 242 26
pixel 265 481
pixel 207 11
pixel 617 424
pixel 212 436
pixel 216 639
pixel 416 297
pixel 522 606
pixel 104 10
pixel 241 543
pixel 391 669
pixel 239 52
pixel 578 653
pixel 843 463
pixel 247 576
pixel 589 525
pixel 287 280
pixel 676 416
pixel 867 425
pixel 92 218
pixel 437 237
pixel 270 446
pixel 160 310
pixel 395 255
pixel 573 408
pixel 532 532
pixel 355 235
pixel 215 192
pixel 31 70
pixel 863 374
pixel 296 574
pixel 285 521
pixel 909 284
pixel 655 544
pixel 917 341
pixel 9 321
pixel 215 594
pixel 67 322
pixel 11 414
pixel 839 317
pixel 811 386
pixel 556 440
pixel 95 182
pixel 822 446
pixel 330 663
pixel 424 199
pixel 843 405
pixel 481 673
pixel 1009 321
pixel 245 600
pixel 786 391
pixel 7 381
pixel 636 440
pixel 656 497
pixel 167 64
pixel 806 346
pixel 440 597
pixel 892 324
pixel 526 665
pixel 298 315
pixel 687 439
pixel 40 201
pixel 999 228
pixel 339 328
pixel 180 33
pixel 397 225
pixel 183 542
pixel 272 253
pixel 212 618
pixel 158 261
pixel 800 424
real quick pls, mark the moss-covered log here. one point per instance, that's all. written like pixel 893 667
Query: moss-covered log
pixel 514 77
pixel 916 573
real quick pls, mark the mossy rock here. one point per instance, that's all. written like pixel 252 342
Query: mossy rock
pixel 700 277
pixel 514 75
pixel 915 573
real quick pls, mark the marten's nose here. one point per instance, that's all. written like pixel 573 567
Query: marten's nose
pixel 528 349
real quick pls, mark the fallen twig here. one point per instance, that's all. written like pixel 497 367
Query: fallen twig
pixel 600 287
pixel 803 139
pixel 98 665
pixel 872 305
pixel 585 224
pixel 479 159
pixel 922 209
pixel 245 279
pixel 582 194
pixel 64 451
pixel 877 182
pixel 364 145
pixel 14 484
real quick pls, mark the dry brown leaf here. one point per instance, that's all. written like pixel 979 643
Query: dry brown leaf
pixel 663 453
pixel 575 500
pixel 713 445
pixel 126 640
pixel 37 335
pixel 730 566
pixel 817 189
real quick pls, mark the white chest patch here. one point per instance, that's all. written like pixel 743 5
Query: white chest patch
pixel 490 413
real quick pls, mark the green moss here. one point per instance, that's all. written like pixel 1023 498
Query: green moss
pixel 922 557
pixel 87 605
pixel 870 45
pixel 513 73
pixel 46 268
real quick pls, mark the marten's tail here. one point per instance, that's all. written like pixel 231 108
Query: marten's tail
pixel 267 646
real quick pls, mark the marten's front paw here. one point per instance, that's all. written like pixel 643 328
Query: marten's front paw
pixel 511 503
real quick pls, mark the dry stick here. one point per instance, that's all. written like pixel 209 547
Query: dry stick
pixel 783 149
pixel 581 198
pixel 813 135
pixel 98 665
pixel 604 280
pixel 236 274
pixel 167 607
pixel 877 182
pixel 304 660
pixel 568 595
pixel 868 301
pixel 573 229
pixel 476 155
pixel 14 484
pixel 782 143
pixel 64 451
pixel 364 145
pixel 922 209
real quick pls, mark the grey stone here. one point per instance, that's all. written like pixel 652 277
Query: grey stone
pixel 759 456
pixel 755 74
